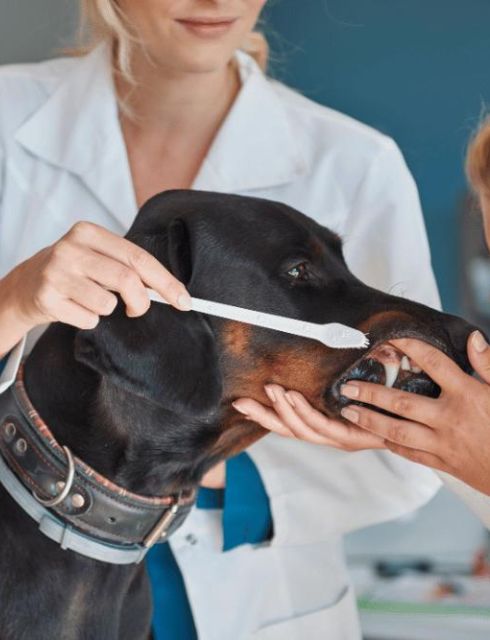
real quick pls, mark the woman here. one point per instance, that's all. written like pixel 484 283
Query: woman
pixel 165 98
pixel 451 433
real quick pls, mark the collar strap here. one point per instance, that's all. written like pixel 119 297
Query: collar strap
pixel 73 504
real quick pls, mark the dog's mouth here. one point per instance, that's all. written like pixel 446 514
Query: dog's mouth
pixel 386 365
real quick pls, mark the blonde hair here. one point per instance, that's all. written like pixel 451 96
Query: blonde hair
pixel 104 20
pixel 478 160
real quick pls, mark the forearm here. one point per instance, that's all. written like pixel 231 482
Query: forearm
pixel 12 325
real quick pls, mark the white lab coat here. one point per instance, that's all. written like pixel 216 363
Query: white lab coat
pixel 63 159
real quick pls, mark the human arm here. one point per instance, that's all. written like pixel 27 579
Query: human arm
pixel 75 281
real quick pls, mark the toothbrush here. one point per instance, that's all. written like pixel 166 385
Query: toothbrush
pixel 333 335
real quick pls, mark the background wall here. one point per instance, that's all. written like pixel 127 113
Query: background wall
pixel 34 29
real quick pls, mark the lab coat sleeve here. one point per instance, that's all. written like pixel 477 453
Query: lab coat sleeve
pixel 476 501
pixel 11 362
pixel 385 241
pixel 11 366
pixel 2 172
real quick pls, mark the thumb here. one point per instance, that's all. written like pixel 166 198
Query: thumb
pixel 479 355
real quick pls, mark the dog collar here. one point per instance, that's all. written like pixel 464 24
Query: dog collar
pixel 74 505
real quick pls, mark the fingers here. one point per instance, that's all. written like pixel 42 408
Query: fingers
pixel 339 434
pixel 401 403
pixel 116 276
pixel 304 422
pixel 147 267
pixel 77 316
pixel 420 457
pixel 436 364
pixel 289 417
pixel 400 432
pixel 264 416
pixel 90 296
pixel 479 355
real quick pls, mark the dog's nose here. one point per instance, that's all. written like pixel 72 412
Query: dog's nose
pixel 459 331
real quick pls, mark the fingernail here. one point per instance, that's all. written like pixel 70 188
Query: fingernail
pixel 184 302
pixel 479 342
pixel 350 390
pixel 270 393
pixel 290 399
pixel 239 408
pixel 350 414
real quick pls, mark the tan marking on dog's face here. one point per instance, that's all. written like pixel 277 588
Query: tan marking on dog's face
pixel 236 337
pixel 384 318
pixel 303 366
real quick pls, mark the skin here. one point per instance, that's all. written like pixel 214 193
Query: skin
pixel 186 82
pixel 450 433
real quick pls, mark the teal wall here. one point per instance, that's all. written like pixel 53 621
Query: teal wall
pixel 418 70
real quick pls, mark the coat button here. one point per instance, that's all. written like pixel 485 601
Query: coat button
pixel 191 539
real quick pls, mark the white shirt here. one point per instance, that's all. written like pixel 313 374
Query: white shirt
pixel 63 159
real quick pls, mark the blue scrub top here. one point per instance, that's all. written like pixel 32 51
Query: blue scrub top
pixel 247 519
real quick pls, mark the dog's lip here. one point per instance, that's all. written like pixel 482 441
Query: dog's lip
pixel 385 340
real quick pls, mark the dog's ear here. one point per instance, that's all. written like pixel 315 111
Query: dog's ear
pixel 166 356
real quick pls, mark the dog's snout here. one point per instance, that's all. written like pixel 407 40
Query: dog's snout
pixel 459 331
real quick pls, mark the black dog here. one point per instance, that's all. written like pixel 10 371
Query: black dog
pixel 147 402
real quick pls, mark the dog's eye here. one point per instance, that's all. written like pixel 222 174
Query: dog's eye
pixel 299 272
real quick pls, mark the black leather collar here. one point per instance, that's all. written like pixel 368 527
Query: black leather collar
pixel 94 506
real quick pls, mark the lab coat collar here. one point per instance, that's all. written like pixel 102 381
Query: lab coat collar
pixel 78 129
pixel 255 147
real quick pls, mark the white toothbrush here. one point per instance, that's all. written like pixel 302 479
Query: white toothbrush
pixel 334 335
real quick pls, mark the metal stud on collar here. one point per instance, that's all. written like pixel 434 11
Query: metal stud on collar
pixel 65 486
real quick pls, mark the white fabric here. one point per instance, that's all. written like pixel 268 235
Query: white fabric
pixel 62 159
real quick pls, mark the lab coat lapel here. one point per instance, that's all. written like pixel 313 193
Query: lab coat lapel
pixel 255 147
pixel 77 129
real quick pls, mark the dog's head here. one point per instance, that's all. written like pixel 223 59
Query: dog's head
pixel 266 256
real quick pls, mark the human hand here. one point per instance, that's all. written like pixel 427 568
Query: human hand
pixel 292 416
pixel 450 433
pixel 74 280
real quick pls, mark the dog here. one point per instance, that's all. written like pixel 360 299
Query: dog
pixel 147 402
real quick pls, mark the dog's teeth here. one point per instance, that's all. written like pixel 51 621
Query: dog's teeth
pixel 406 364
pixel 391 371
pixel 416 369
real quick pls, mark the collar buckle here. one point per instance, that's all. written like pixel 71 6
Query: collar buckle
pixel 160 530
pixel 64 487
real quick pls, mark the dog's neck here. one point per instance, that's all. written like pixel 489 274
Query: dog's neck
pixel 133 442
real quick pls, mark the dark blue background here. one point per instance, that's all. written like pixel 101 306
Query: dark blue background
pixel 418 70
